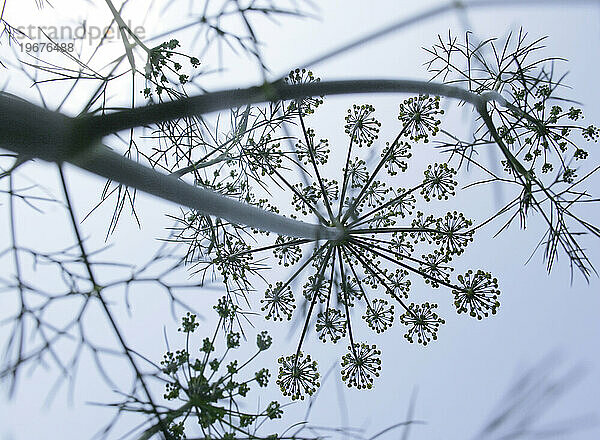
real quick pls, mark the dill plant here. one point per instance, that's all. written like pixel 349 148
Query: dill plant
pixel 384 242
pixel 371 243
pixel 207 389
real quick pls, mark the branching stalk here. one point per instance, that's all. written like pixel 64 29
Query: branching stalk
pixel 32 131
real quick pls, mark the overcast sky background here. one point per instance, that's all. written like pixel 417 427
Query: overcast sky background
pixel 464 375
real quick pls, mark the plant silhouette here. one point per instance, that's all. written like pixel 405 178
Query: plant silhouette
pixel 285 219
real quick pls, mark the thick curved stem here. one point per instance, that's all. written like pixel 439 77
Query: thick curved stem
pixel 102 125
pixel 106 163
pixel 32 131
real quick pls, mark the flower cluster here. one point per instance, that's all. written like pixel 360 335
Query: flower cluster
pixel 361 365
pixel 288 254
pixel 298 376
pixel 361 126
pixel 278 302
pixel 385 248
pixel 385 244
pixel 209 390
pixel 307 106
pixel 477 295
pixel 161 63
pixel 454 233
pixel 396 154
pixel 418 114
pixel 379 316
pixel 541 134
pixel 309 150
pixel 439 182
pixel 423 323
pixel 331 324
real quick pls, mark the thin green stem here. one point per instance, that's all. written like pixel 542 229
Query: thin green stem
pixel 309 147
pixel 380 165
pixel 107 312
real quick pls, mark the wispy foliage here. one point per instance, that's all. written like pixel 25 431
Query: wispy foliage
pixel 373 241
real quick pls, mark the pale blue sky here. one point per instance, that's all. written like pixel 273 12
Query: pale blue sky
pixel 463 376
